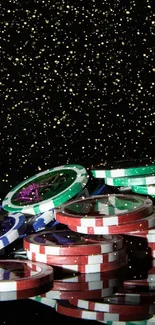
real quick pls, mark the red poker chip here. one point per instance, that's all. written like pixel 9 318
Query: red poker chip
pixel 82 259
pixel 67 309
pixel 95 268
pixel 139 225
pixel 85 286
pixel 25 294
pixel 66 295
pixel 132 298
pixel 111 305
pixel 18 275
pixel 67 242
pixel 87 277
pixel 104 210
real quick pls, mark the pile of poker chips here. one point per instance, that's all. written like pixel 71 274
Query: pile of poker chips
pixel 122 217
pixel 126 173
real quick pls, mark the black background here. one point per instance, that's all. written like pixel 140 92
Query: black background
pixel 76 86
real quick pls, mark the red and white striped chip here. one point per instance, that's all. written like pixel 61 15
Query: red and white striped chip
pixel 65 260
pixel 67 242
pixel 66 308
pixel 104 210
pixel 23 275
pixel 112 307
pixel 94 268
pixel 139 225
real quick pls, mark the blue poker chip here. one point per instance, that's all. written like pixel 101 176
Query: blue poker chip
pixel 38 222
pixel 12 225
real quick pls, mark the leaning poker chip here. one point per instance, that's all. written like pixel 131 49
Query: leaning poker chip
pixel 66 295
pixel 95 268
pixel 46 190
pixel 12 226
pixel 124 168
pixel 104 210
pixel 143 189
pixel 138 225
pixel 78 259
pixel 18 275
pixel 67 242
pixel 111 307
pixel 67 309
pixel 130 181
pixel 45 301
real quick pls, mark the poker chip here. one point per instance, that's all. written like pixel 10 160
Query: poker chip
pixel 85 286
pixel 138 225
pixel 143 189
pixel 123 168
pixel 142 298
pixel 45 301
pixel 66 295
pixel 18 275
pixel 12 226
pixel 77 259
pixel 95 268
pixel 90 277
pixel 104 210
pixel 108 306
pixel 67 242
pixel 130 181
pixel 46 190
pixel 24 294
pixel 38 222
pixel 67 309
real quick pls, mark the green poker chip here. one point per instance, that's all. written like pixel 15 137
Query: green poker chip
pixel 46 190
pixel 123 168
pixel 130 181
pixel 143 189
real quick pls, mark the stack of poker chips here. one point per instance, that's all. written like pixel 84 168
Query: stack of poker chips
pixel 71 251
pixel 138 175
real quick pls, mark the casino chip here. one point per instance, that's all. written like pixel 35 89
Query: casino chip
pixel 112 305
pixel 106 282
pixel 130 181
pixel 12 226
pixel 67 309
pixel 104 210
pixel 24 294
pixel 95 268
pixel 38 222
pixel 18 275
pixel 144 189
pixel 138 225
pixel 67 242
pixel 66 295
pixel 122 168
pixel 46 190
pixel 77 259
